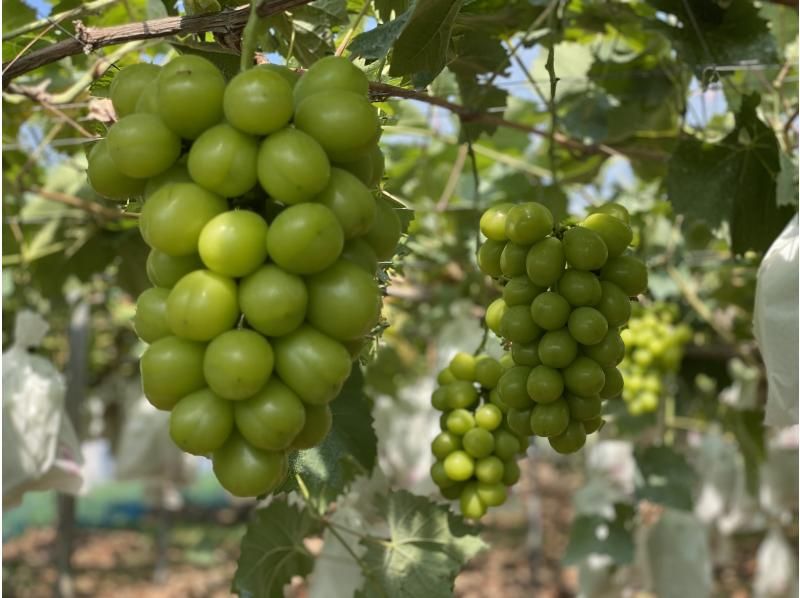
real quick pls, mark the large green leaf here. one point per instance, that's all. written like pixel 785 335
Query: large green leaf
pixel 421 51
pixel 426 549
pixel 665 477
pixel 733 180
pixel 376 43
pixel 349 450
pixel 273 551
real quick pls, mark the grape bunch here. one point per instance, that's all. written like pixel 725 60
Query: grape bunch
pixel 565 296
pixel 264 237
pixel 654 346
pixel 476 449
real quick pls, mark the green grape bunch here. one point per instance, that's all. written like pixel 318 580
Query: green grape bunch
pixel 654 347
pixel 565 296
pixel 475 453
pixel 265 237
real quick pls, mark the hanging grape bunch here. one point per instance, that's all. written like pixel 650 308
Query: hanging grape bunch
pixel 654 347
pixel 265 239
pixel 476 449
pixel 565 296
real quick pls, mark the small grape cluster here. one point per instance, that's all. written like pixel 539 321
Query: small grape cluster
pixel 654 346
pixel 565 296
pixel 265 238
pixel 476 449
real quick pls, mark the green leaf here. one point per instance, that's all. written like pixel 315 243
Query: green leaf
pixel 427 547
pixel 593 534
pixel 665 477
pixel 476 53
pixel 421 49
pixel 349 450
pixel 481 98
pixel 273 551
pixel 16 14
pixel 733 180
pixel 376 43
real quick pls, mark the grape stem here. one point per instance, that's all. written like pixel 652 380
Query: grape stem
pixel 253 28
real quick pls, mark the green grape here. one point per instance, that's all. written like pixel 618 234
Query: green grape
pixel 494 315
pixel 445 377
pixel 273 301
pixel 244 470
pixel 461 394
pixel 583 409
pixel 511 473
pixel 141 146
pixel 615 210
pixel 318 423
pixel 305 239
pixel 350 201
pixel 360 253
pixel 487 371
pixel 150 321
pixel 584 249
pixel 489 470
pixel 223 160
pixel 344 123
pixel 459 466
pixel 557 348
pixel 488 416
pixel 584 377
pixel 444 444
pixel 272 418
pixel 512 387
pixel 580 288
pixel 593 425
pixel 489 258
pixel 613 383
pixel 258 101
pixel 439 475
pixel 202 305
pixel 472 507
pixel 616 234
pixel 520 291
pixel 528 223
pixel 550 311
pixel 526 354
pixel 106 178
pixel 190 93
pixel 177 173
pixel 452 492
pixel 171 368
pixel 459 421
pixel 544 384
pixel 571 440
pixel 478 443
pixel 550 419
pixel 545 262
pixel 587 326
pixel 494 399
pixel 628 273
pixel 385 232
pixel 127 86
pixel 493 222
pixel 518 326
pixel 330 73
pixel 201 422
pixel 463 366
pixel 439 399
pixel 506 445
pixel 512 259
pixel 614 304
pixel 292 167
pixel 233 243
pixel 519 422
pixel 237 364
pixel 492 495
pixel 609 351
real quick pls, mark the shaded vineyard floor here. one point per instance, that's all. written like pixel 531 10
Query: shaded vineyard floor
pixel 203 546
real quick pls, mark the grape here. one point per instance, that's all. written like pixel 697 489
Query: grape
pixel 360 253
pixel 628 273
pixel 493 222
pixel 478 443
pixel 494 315
pixel 461 394
pixel 460 421
pixel 571 440
pixel 127 86
pixel 238 363
pixel 292 167
pixel 583 409
pixel 489 470
pixel 318 423
pixel 445 377
pixel 150 321
pixel 614 304
pixel 517 325
pixel 258 101
pixel 616 234
pixel 439 399
pixel 526 354
pixel 190 92
pixel 201 422
pixel 305 239
pixel 545 262
pixel 141 146
pixel 511 473
pixel 487 371
pixel 557 348
pixel 512 259
pixel 350 201
pixel 584 249
pixel 223 160
pixel 459 466
pixel 273 301
pixel 202 305
pixel 171 368
pixel 506 445
pixel 492 495
pixel 165 270
pixel 385 232
pixel 367 168
pixel 613 383
pixel 444 444
pixel 544 384
pixel 177 173
pixel 519 422
pixel 609 351
pixel 520 291
pixel 528 223
pixel 234 243
pixel 330 73
pixel 550 311
pixel 615 210
pixel 587 325
pixel 593 425
pixel 472 507
pixel 581 288
pixel 488 416
pixel 272 418
pixel 512 387
pixel 244 470
pixel 439 476
pixel 106 178
pixel 584 377
pixel 550 419
pixel 463 366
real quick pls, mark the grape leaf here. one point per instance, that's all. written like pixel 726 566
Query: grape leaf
pixel 350 449
pixel 481 98
pixel 376 43
pixel 733 180
pixel 427 547
pixel 594 534
pixel 665 477
pixel 421 49
pixel 273 551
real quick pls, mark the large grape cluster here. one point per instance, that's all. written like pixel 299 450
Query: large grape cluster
pixel 265 239
pixel 476 450
pixel 654 346
pixel 565 296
